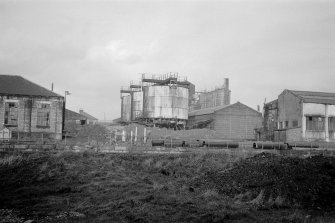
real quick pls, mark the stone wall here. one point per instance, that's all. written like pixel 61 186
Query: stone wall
pixel 28 108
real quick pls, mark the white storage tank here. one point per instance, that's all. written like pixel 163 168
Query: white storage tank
pixel 137 105
pixel 167 102
pixel 126 108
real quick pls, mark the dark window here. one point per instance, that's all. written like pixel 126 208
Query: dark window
pixel 286 124
pixel 280 125
pixel 331 123
pixel 11 113
pixel 315 123
pixel 43 115
pixel 295 123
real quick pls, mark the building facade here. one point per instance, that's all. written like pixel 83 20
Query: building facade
pixel 27 109
pixel 235 121
pixel 305 116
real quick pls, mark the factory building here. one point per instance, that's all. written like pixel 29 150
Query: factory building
pixel 27 109
pixel 220 96
pixel 300 116
pixel 157 100
pixel 235 121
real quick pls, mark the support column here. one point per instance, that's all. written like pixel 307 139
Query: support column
pixel 303 123
pixel 326 124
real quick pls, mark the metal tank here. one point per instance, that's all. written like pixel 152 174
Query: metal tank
pixel 137 105
pixel 126 108
pixel 167 102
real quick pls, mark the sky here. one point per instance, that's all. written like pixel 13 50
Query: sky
pixel 92 48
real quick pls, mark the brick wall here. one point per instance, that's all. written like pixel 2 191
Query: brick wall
pixel 293 134
pixel 27 115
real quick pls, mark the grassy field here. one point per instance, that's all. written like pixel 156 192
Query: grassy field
pixel 191 187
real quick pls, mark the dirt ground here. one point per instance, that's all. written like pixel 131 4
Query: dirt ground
pixel 192 187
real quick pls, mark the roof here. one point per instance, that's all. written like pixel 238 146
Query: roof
pixel 207 111
pixel 315 97
pixel 88 116
pixel 71 115
pixel 17 85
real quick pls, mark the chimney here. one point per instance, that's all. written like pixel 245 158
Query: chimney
pixel 52 86
pixel 81 111
pixel 226 83
pixel 258 108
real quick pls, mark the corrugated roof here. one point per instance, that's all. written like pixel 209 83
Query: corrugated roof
pixel 206 111
pixel 315 97
pixel 17 85
pixel 71 115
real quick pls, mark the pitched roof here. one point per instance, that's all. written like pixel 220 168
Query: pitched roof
pixel 206 111
pixel 315 97
pixel 17 85
pixel 71 115
pixel 88 116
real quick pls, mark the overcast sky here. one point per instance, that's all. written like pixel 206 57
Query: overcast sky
pixel 92 48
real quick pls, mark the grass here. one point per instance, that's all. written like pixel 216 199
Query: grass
pixel 93 187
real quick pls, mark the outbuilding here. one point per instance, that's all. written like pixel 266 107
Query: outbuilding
pixel 235 121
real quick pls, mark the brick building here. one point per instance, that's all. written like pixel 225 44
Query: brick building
pixel 303 116
pixel 28 109
pixel 235 121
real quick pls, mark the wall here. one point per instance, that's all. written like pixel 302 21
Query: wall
pixel 237 121
pixel 27 115
pixel 289 109
pixel 318 110
pixel 293 134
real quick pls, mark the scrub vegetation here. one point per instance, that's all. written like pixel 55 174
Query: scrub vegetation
pixel 189 187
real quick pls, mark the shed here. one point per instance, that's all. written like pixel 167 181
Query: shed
pixel 235 121
pixel 90 119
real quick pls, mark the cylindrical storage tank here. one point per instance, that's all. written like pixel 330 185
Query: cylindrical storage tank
pixel 137 105
pixel 165 102
pixel 126 108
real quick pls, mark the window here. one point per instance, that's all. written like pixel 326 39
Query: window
pixel 11 113
pixel 331 123
pixel 295 123
pixel 315 123
pixel 286 124
pixel 280 125
pixel 43 115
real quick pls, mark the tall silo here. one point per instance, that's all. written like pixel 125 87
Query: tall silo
pixel 126 108
pixel 137 105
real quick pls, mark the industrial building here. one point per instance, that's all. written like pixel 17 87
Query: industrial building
pixel 300 116
pixel 235 121
pixel 27 109
pixel 158 100
pixel 220 96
